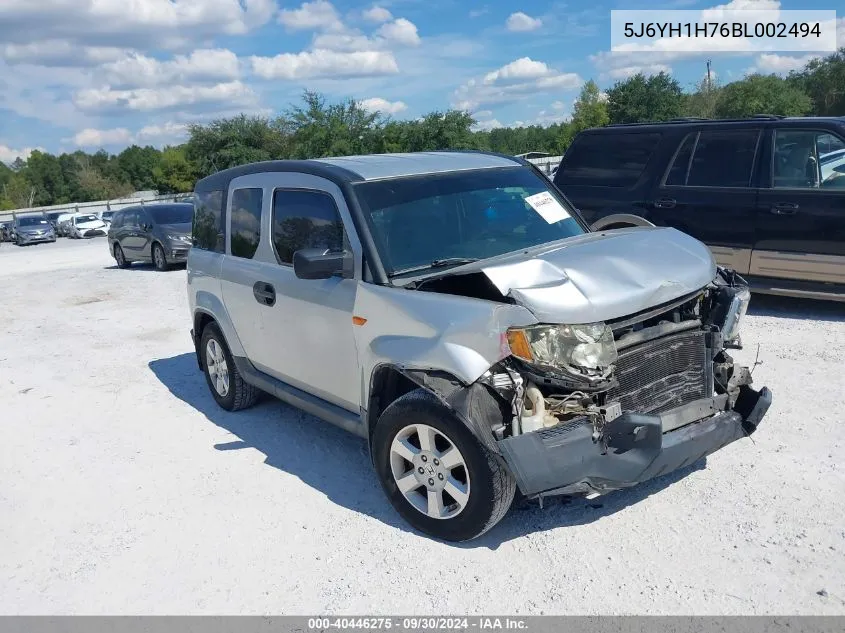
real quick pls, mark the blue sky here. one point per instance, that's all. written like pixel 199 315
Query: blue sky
pixel 107 73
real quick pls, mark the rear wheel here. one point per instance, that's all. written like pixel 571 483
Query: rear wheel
pixel 159 259
pixel 227 386
pixel 436 473
pixel 119 257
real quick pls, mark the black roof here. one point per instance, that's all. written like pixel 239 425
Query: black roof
pixel 221 180
pixel 766 119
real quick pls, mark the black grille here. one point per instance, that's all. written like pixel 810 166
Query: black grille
pixel 663 374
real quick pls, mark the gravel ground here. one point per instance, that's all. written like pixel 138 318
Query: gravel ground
pixel 125 490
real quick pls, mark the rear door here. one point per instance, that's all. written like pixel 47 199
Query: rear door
pixel 605 173
pixel 801 210
pixel 709 192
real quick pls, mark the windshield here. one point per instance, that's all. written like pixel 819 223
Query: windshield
pixel 31 221
pixel 423 222
pixel 176 214
pixel 86 218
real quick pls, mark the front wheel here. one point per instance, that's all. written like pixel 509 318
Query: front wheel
pixel 159 259
pixel 436 473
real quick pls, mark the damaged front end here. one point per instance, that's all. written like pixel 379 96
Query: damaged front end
pixel 603 406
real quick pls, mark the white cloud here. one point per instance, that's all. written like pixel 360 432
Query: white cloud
pixel 204 65
pixel 487 125
pixel 624 72
pixel 400 31
pixel 512 82
pixel 768 63
pixel 520 22
pixel 377 104
pixel 311 16
pixel 377 14
pixel 522 68
pixel 135 24
pixel 324 63
pixel 9 155
pixel 60 53
pixel 107 99
pixel 150 135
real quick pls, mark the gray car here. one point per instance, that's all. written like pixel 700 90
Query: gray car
pixel 32 229
pixel 455 311
pixel 157 233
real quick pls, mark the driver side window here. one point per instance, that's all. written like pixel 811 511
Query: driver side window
pixel 807 159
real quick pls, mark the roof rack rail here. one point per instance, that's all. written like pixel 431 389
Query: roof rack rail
pixel 768 116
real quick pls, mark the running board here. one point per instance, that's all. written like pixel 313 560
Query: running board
pixel 797 289
pixel 309 403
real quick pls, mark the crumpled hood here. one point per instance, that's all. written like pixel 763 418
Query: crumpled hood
pixel 606 275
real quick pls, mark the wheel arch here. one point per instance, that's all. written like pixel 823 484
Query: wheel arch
pixel 619 220
pixel 476 405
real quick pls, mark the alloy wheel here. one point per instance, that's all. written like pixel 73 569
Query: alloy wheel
pixel 218 370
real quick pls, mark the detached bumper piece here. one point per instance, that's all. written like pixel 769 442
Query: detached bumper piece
pixel 565 460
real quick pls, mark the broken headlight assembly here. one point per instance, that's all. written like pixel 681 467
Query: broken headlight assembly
pixel 581 353
pixel 729 308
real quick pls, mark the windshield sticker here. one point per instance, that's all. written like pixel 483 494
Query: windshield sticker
pixel 548 208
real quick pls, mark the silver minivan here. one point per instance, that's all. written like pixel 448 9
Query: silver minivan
pixel 455 311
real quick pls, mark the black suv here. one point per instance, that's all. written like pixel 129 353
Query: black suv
pixel 766 194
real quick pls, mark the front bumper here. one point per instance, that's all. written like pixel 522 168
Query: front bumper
pixel 24 238
pixel 178 252
pixel 565 460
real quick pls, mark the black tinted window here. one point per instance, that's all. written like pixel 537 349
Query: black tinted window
pixel 608 160
pixel 680 166
pixel 175 214
pixel 723 158
pixel 246 222
pixel 208 226
pixel 305 219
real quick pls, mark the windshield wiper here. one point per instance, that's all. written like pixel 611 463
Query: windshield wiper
pixel 453 261
pixel 437 263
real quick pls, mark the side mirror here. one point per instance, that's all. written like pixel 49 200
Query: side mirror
pixel 318 263
pixel 839 169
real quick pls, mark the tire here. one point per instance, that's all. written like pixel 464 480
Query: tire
pixel 120 257
pixel 484 482
pixel 159 259
pixel 237 394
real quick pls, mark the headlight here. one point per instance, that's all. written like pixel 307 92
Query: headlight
pixel 736 311
pixel 182 239
pixel 589 346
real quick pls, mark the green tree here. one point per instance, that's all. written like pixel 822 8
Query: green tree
pixel 762 94
pixel 136 166
pixel 702 102
pixel 174 172
pixel 640 98
pixel 318 129
pixel 226 143
pixel 823 80
pixel 590 111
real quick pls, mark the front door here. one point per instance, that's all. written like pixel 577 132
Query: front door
pixel 304 332
pixel 709 192
pixel 801 214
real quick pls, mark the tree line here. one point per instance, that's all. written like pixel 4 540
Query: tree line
pixel 317 128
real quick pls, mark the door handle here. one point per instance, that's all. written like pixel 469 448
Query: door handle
pixel 784 208
pixel 264 293
pixel 665 203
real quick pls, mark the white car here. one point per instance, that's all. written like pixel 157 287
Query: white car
pixel 86 225
pixel 63 223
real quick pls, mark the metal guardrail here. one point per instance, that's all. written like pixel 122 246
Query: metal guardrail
pixel 91 207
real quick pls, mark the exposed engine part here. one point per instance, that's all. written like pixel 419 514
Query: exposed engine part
pixel 535 416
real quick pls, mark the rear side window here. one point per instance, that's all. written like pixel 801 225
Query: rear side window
pixel 208 225
pixel 607 160
pixel 723 158
pixel 679 170
pixel 305 219
pixel 246 222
